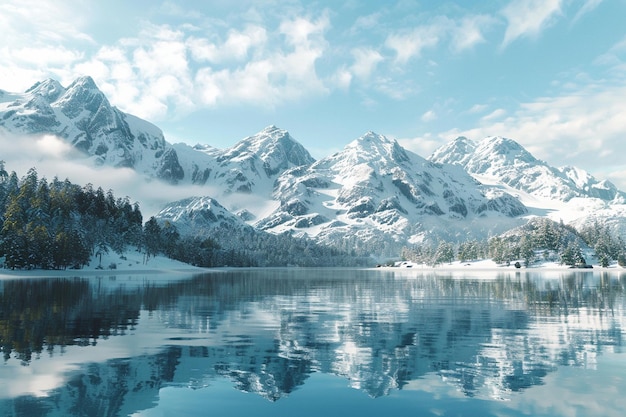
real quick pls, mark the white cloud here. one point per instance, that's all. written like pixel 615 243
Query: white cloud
pixel 528 17
pixel 587 7
pixel 462 34
pixel 429 116
pixel 46 55
pixel 365 62
pixel 35 40
pixel 366 23
pixel 237 46
pixel 35 22
pixel 614 59
pixel 342 78
pixel 496 114
pixel 422 145
pixel 304 33
pixel 468 32
pixel 53 146
pixel 477 108
pixel 407 45
pixel 53 157
pixel 165 71
pixel 271 76
pixel 170 8
pixel 394 88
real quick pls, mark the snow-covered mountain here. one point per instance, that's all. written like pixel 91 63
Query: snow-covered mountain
pixel 378 192
pixel 566 194
pixel 250 166
pixel 508 162
pixel 374 195
pixel 82 115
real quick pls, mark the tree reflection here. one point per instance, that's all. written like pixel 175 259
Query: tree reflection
pixel 48 313
pixel 268 330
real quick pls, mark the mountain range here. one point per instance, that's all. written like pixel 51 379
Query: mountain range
pixel 374 195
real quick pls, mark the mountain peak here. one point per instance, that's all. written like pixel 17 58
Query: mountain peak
pixel 270 134
pixel 370 149
pixel 50 89
pixel 505 148
pixel 462 141
pixel 457 151
pixel 369 140
pixel 373 136
pixel 509 162
pixel 275 147
pixel 82 94
pixel 84 81
pixel 272 128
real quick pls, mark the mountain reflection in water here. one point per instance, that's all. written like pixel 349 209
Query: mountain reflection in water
pixel 116 341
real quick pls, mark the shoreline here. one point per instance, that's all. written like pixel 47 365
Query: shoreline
pixel 46 273
pixel 489 265
pixel 167 268
pixel 133 263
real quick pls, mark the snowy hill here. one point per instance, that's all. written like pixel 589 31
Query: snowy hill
pixel 82 115
pixel 200 215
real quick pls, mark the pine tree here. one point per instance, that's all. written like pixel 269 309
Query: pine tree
pixel 526 250
pixel 572 254
pixel 152 237
pixel 444 253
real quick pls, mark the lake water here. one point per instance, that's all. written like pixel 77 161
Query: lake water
pixel 315 342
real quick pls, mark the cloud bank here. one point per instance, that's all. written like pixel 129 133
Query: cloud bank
pixel 53 157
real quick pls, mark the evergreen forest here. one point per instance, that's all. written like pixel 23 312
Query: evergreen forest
pixel 540 240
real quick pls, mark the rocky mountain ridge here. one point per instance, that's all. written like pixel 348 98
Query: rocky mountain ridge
pixel 82 115
pixel 374 195
pixel 508 162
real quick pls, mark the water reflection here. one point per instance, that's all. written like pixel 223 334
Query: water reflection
pixel 106 346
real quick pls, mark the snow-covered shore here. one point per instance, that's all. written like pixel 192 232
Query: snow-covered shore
pixel 489 265
pixel 132 262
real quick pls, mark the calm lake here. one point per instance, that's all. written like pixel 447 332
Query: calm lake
pixel 315 342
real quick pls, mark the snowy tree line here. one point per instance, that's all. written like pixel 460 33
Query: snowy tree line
pixel 540 239
pixel 59 225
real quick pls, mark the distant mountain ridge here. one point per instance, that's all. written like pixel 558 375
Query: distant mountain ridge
pixel 374 195
pixel 507 161
pixel 379 192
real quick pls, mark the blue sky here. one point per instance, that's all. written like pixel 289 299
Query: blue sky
pixel 550 74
